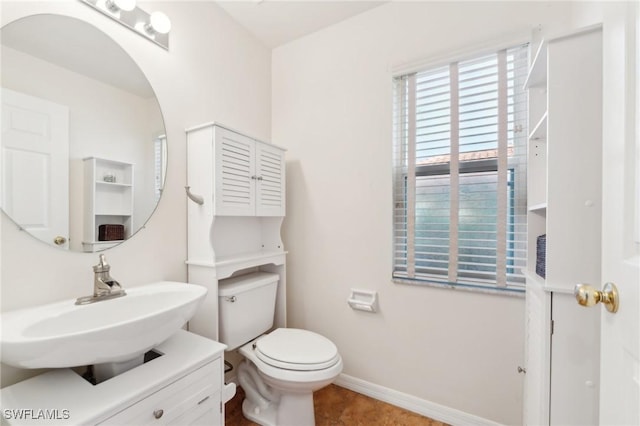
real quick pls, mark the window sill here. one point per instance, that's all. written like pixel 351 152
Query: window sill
pixel 510 292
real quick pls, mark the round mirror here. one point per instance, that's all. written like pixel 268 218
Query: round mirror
pixel 83 146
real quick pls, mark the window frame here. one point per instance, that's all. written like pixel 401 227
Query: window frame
pixel 464 167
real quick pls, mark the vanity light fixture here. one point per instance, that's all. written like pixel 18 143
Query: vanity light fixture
pixel 118 5
pixel 152 26
pixel 159 23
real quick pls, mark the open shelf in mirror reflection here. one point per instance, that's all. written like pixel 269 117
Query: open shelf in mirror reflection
pixel 540 208
pixel 113 184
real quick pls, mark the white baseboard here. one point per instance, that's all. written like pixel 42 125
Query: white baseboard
pixel 412 403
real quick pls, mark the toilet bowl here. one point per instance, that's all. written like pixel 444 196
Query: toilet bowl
pixel 280 373
pixel 281 369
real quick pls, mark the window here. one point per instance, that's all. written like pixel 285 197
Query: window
pixel 159 165
pixel 460 173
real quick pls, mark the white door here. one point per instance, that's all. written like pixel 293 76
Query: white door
pixel 620 332
pixel 35 166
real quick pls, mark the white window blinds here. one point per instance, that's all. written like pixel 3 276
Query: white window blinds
pixel 459 172
pixel 159 165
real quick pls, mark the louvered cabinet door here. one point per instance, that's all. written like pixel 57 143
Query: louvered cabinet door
pixel 270 187
pixel 235 174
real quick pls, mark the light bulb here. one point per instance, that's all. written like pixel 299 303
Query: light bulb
pixel 159 23
pixel 117 5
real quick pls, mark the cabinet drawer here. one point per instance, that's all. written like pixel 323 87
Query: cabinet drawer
pixel 198 392
pixel 207 413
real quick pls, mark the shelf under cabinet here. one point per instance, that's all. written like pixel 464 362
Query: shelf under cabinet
pixel 532 277
pixel 258 257
pixel 226 265
pixel 538 208
pixel 537 76
pixel 539 132
pixel 535 279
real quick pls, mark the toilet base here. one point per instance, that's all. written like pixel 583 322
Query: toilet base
pixel 292 410
pixel 266 417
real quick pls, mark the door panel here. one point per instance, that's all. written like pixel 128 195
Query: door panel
pixel 620 332
pixel 35 165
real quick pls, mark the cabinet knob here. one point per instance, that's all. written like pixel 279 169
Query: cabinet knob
pixel 158 413
pixel 59 240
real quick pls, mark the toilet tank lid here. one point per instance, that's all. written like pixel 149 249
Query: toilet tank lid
pixel 236 285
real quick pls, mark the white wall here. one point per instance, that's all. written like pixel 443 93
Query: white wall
pixel 214 70
pixel 332 111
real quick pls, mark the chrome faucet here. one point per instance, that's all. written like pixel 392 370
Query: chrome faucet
pixel 104 287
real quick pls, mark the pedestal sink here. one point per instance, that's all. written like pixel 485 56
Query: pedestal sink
pixel 64 334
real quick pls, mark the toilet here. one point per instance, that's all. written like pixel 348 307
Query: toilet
pixel 281 369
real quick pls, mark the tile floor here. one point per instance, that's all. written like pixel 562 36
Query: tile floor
pixel 337 406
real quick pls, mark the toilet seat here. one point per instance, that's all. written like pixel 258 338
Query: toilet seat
pixel 295 349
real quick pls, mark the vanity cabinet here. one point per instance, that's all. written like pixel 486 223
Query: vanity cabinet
pixel 564 204
pixel 108 200
pixel 188 401
pixel 183 386
pixel 236 229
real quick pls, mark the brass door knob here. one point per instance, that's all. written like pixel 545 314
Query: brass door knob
pixel 59 240
pixel 588 296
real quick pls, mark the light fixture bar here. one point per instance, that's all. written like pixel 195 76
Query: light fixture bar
pixel 135 19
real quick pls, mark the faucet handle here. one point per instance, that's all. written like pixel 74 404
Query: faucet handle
pixel 102 266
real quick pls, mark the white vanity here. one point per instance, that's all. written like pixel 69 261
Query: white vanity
pixel 183 386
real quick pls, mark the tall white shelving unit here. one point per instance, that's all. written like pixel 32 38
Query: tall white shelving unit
pixel 236 229
pixel 564 199
pixel 108 199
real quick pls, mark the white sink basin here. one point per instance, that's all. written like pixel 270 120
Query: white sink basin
pixel 64 334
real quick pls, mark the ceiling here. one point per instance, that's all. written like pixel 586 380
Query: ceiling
pixel 276 22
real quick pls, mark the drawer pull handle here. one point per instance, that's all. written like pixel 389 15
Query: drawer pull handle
pixel 203 400
pixel 158 413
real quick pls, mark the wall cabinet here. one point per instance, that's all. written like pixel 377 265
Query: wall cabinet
pixel 108 200
pixel 564 199
pixel 248 175
pixel 236 230
pixel 183 386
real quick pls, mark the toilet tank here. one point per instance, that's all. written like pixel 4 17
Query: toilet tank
pixel 246 306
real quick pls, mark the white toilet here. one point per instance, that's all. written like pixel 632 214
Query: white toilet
pixel 281 369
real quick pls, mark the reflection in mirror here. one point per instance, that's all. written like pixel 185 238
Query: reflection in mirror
pixel 83 146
